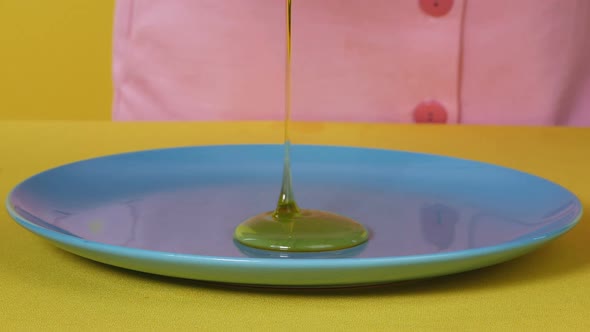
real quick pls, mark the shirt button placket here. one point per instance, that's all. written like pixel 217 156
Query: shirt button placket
pixel 433 111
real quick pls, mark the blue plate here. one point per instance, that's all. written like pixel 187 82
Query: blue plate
pixel 173 212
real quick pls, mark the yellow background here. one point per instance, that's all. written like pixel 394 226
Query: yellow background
pixel 43 288
pixel 55 59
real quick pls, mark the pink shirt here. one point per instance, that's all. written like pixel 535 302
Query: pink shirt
pixel 508 62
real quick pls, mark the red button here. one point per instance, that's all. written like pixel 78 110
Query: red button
pixel 430 112
pixel 436 8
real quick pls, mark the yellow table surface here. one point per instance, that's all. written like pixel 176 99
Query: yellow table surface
pixel 45 288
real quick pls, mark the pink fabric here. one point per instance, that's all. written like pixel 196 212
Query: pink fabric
pixel 507 62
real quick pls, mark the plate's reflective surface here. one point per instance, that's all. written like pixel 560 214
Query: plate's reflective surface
pixel 185 203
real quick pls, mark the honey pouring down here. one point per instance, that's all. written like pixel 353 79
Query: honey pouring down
pixel 289 227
